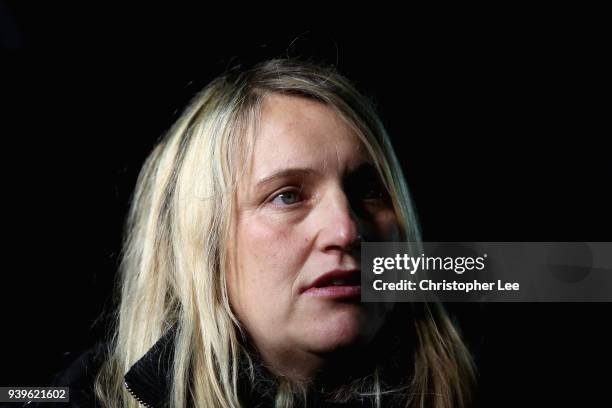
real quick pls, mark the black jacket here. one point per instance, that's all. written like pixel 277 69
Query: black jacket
pixel 148 381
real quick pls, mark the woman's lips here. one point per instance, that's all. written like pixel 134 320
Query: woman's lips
pixel 338 283
pixel 335 291
pixel 335 284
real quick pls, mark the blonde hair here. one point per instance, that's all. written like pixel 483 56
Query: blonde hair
pixel 175 249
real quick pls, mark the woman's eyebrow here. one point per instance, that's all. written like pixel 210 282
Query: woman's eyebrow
pixel 366 169
pixel 286 173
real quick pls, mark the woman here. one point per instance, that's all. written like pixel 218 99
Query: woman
pixel 240 274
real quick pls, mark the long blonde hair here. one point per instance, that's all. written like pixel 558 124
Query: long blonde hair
pixel 175 248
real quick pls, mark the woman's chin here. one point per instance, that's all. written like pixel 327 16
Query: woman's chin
pixel 339 330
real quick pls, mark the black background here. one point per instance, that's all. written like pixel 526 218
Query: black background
pixel 500 122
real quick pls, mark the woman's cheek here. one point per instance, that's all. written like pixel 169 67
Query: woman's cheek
pixel 275 250
pixel 388 226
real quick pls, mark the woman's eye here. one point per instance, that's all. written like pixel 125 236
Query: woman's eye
pixel 286 198
pixel 373 192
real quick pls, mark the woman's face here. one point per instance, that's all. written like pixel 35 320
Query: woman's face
pixel 309 192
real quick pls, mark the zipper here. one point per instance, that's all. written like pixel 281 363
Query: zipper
pixel 144 404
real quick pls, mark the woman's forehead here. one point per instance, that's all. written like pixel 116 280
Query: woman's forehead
pixel 300 132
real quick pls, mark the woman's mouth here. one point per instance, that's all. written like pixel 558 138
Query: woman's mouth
pixel 336 284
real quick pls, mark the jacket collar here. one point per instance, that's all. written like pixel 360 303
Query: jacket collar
pixel 148 379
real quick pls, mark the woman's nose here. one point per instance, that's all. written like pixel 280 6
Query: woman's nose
pixel 338 226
